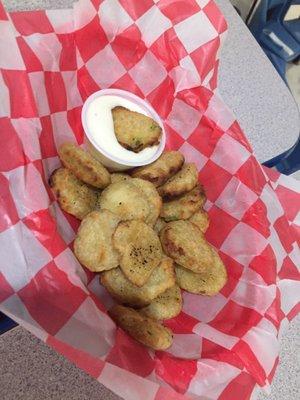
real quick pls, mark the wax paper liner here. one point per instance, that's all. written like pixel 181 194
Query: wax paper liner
pixel 166 52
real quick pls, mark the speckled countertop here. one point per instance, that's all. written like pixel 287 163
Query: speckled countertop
pixel 30 370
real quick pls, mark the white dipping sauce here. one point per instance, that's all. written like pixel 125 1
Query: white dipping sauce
pixel 101 128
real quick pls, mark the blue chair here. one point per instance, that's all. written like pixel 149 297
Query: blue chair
pixel 6 323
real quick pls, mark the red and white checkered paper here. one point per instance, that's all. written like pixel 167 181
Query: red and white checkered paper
pixel 166 52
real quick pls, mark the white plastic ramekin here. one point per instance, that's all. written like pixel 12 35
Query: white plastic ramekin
pixel 111 161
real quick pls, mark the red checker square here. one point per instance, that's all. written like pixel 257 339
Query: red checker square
pixel 183 323
pixel 214 351
pixel 129 46
pixel 5 289
pixel 296 231
pixel 173 140
pixel 136 8
pixel 96 3
pixel 56 91
pixel 164 393
pixel 274 312
pixel 256 216
pixel 179 11
pixel 287 198
pixel 43 297
pixel 22 102
pixel 46 138
pixel 127 83
pixel 3 16
pixel 94 35
pixel 243 383
pixel 8 212
pixel 236 132
pixel 214 179
pixel 30 22
pixel 168 49
pixel 162 97
pixel 93 366
pixel 251 363
pixel 137 359
pixel 251 174
pixel 265 265
pixel 288 270
pixel 74 120
pixel 271 173
pixel 198 98
pixel 234 272
pixel 44 228
pixel 235 320
pixel 283 230
pixel 221 223
pixel 272 373
pixel 73 221
pixel 167 368
pixel 30 59
pixel 86 84
pixel 215 16
pixel 294 312
pixel 203 63
pixel 12 155
pixel 213 82
pixel 206 136
pixel 67 59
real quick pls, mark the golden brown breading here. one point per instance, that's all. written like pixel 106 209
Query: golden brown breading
pixel 93 244
pixel 119 177
pixel 74 196
pixel 133 130
pixel 145 330
pixel 154 199
pixel 185 243
pixel 183 207
pixel 182 182
pixel 207 283
pixel 84 165
pixel 139 248
pixel 166 305
pixel 125 292
pixel 162 169
pixel 200 218
pixel 125 200
pixel 159 225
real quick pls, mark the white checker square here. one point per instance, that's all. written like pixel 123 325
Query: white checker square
pixel 193 155
pixel 203 308
pixel 202 3
pixel 83 13
pixel 273 205
pixel 148 73
pixel 236 198
pixel 64 228
pixel 49 165
pixel 290 294
pixel 295 255
pixel 22 255
pixel 105 67
pixel 252 292
pixel 62 132
pixel 186 346
pixel 37 82
pixel 279 250
pixel 195 31
pixel 27 189
pixel 229 154
pixel 218 112
pixel 185 75
pixel 100 291
pixel 114 19
pixel 208 332
pixel 289 183
pixel 183 118
pixel 126 384
pixel 89 330
pixel 208 77
pixel 73 96
pixel 4 99
pixel 152 24
pixel 61 20
pixel 243 243
pixel 10 54
pixel 28 130
pixel 262 340
pixel 47 48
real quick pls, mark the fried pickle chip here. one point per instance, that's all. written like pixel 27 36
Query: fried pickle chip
pixel 183 207
pixel 93 244
pixel 154 199
pixel 200 218
pixel 125 292
pixel 143 329
pixel 162 169
pixel 159 225
pixel 74 196
pixel 208 283
pixel 139 248
pixel 84 166
pixel 182 182
pixel 119 177
pixel 185 243
pixel 133 130
pixel 166 305
pixel 125 200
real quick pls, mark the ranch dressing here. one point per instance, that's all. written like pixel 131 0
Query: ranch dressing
pixel 101 128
